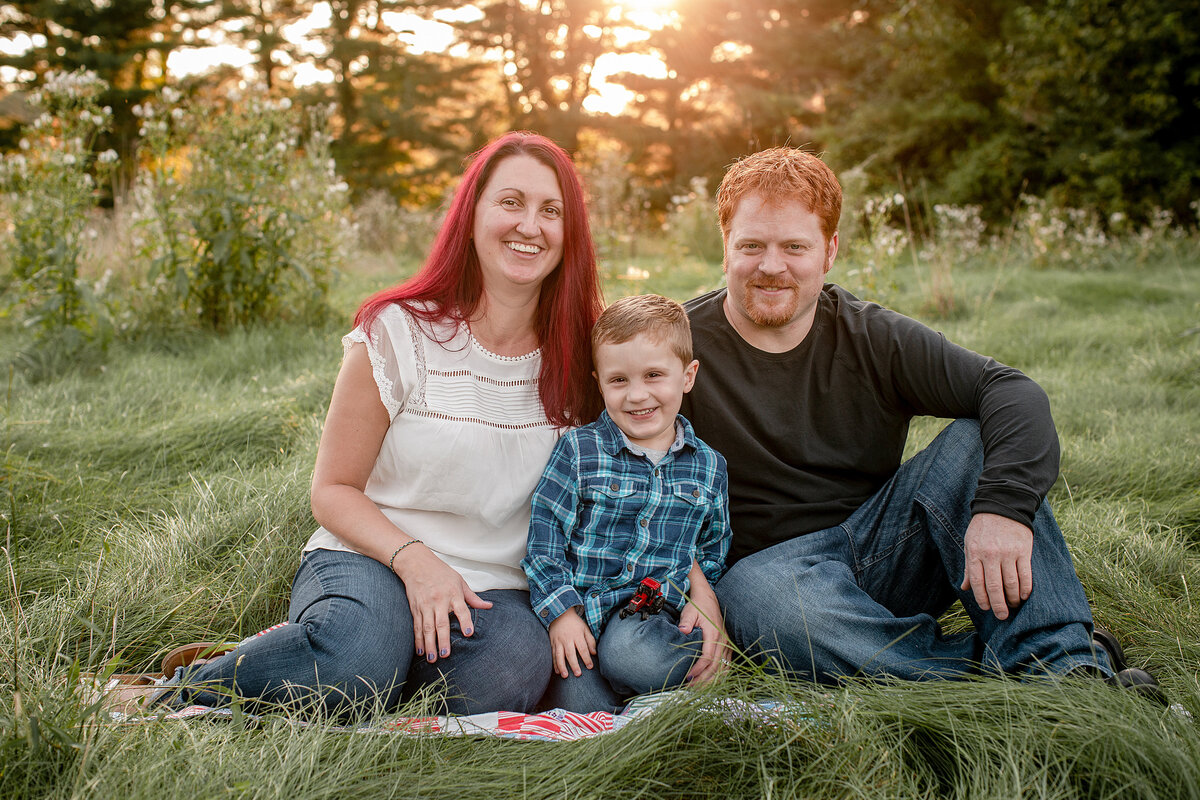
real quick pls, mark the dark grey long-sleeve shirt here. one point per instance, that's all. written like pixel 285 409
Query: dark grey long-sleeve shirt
pixel 810 434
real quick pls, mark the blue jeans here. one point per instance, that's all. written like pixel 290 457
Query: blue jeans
pixel 350 643
pixel 863 598
pixel 633 656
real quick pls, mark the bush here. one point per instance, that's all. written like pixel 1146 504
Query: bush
pixel 692 223
pixel 50 190
pixel 242 215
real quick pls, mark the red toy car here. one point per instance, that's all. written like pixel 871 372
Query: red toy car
pixel 648 600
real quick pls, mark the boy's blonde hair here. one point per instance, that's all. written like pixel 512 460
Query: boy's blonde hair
pixel 662 318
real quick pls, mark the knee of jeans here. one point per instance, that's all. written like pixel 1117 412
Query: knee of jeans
pixel 802 606
pixel 962 438
pixel 361 652
pixel 646 657
pixel 506 663
pixel 746 592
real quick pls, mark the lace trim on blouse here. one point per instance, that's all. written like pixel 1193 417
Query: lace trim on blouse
pixel 387 393
pixel 417 398
pixel 510 359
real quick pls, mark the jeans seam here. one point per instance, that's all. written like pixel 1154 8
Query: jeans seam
pixel 860 567
pixel 934 512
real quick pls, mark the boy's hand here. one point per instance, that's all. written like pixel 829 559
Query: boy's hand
pixel 571 641
pixel 704 609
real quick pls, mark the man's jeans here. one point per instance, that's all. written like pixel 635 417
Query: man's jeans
pixel 863 598
pixel 350 643
pixel 633 656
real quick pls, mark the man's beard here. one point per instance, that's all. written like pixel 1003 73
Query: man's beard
pixel 770 315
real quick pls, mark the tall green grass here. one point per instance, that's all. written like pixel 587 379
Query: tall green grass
pixel 156 493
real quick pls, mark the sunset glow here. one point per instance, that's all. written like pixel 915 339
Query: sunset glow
pixel 631 21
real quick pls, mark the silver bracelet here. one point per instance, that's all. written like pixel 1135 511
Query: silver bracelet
pixel 392 560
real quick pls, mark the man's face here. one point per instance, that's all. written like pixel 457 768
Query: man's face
pixel 776 259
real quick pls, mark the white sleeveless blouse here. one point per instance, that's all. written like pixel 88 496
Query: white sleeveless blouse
pixel 467 444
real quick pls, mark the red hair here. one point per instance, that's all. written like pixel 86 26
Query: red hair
pixel 450 284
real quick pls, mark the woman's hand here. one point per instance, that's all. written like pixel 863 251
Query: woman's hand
pixel 435 591
pixel 571 641
pixel 704 609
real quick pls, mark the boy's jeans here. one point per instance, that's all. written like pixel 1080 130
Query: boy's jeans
pixel 633 656
pixel 862 598
pixel 350 642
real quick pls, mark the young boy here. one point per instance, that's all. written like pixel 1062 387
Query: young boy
pixel 633 495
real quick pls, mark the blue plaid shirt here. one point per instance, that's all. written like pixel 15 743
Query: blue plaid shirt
pixel 605 517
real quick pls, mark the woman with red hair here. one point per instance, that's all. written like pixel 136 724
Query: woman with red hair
pixel 454 388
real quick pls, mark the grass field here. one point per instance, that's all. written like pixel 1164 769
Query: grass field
pixel 157 493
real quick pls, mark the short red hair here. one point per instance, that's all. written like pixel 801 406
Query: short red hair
pixel 780 174
pixel 449 284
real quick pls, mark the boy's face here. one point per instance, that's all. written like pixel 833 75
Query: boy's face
pixel 643 383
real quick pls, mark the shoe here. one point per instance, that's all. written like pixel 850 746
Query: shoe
pixel 127 692
pixel 195 653
pixel 1125 676
pixel 1104 639
pixel 1142 682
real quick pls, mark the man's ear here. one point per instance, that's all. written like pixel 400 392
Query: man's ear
pixel 689 375
pixel 831 252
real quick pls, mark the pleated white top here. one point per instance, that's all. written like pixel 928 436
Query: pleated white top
pixel 466 447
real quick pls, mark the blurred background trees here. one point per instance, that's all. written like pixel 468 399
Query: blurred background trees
pixel 1084 103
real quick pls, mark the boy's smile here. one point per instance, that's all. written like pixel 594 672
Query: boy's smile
pixel 643 383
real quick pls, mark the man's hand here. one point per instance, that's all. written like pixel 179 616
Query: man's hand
pixel 998 569
pixel 704 609
pixel 571 641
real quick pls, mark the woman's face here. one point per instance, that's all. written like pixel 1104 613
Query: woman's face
pixel 518 229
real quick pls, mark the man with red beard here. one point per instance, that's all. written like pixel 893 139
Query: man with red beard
pixel 843 559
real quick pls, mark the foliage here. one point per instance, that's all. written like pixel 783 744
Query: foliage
pixel 692 223
pixel 383 226
pixel 881 244
pixel 1087 104
pixel 243 215
pixel 124 42
pixel 403 115
pixel 1108 97
pixel 546 53
pixel 50 188
pixel 261 27
pixel 618 206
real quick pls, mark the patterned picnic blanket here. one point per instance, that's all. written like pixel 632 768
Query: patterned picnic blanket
pixel 552 726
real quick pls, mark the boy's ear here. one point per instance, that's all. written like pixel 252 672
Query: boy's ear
pixel 596 376
pixel 689 375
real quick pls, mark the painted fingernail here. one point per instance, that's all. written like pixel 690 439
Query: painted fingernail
pixel 431 658
pixel 445 651
pixel 420 651
pixel 467 632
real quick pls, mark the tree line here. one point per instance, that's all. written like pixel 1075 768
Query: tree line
pixel 1087 103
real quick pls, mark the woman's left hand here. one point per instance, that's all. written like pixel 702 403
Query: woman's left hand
pixel 435 591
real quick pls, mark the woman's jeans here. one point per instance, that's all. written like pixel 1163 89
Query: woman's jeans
pixel 350 644
pixel 863 598
pixel 633 656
